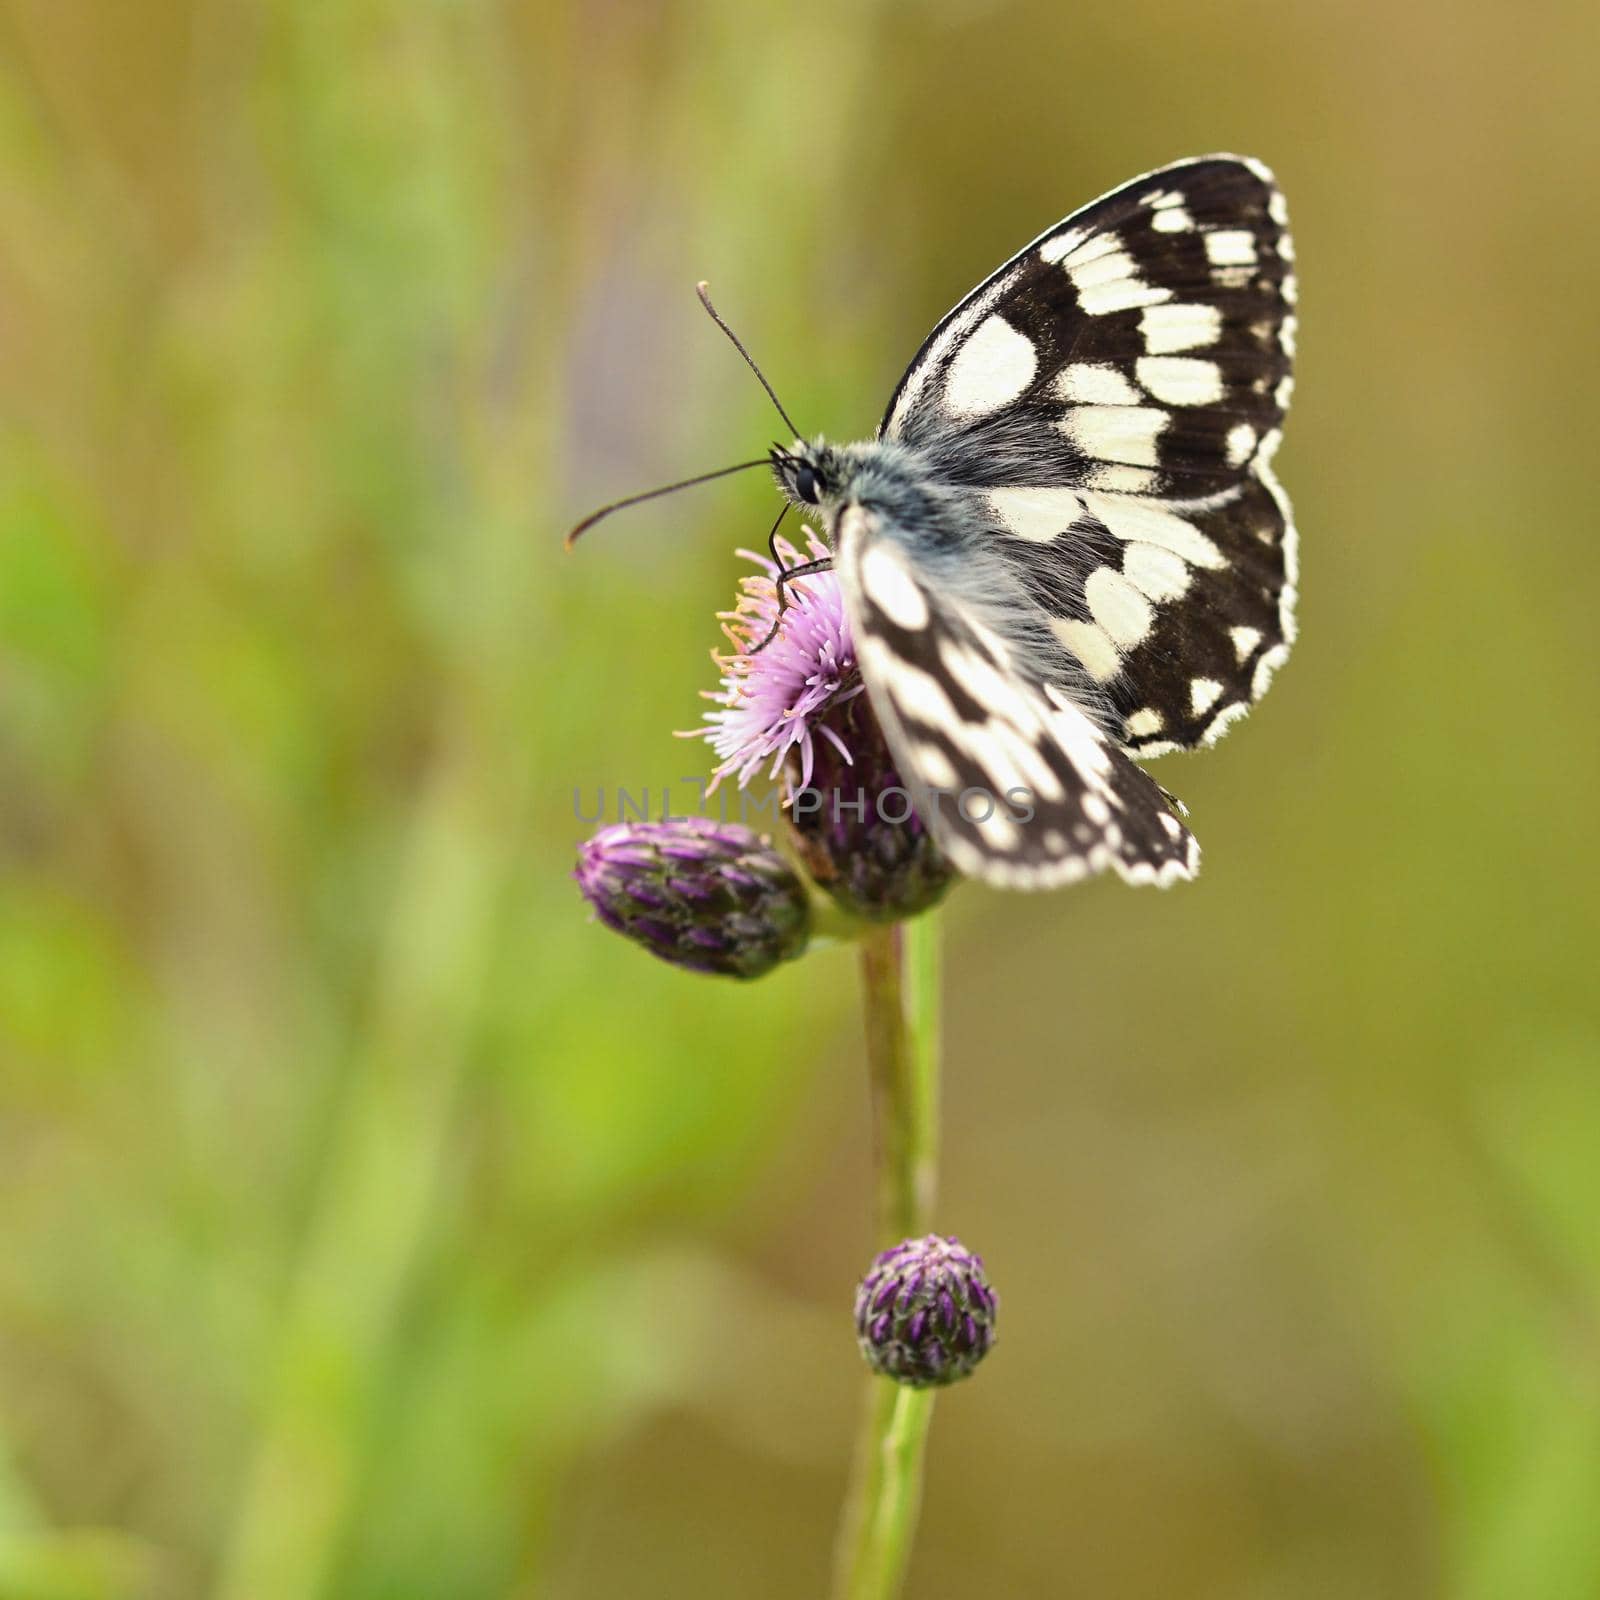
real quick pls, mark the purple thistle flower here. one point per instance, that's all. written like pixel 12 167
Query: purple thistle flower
pixel 797 706
pixel 712 897
pixel 925 1313
pixel 772 703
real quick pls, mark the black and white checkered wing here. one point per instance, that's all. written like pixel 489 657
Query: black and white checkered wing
pixel 1019 785
pixel 1113 397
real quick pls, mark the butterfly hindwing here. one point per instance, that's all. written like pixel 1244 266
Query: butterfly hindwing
pixel 1019 785
pixel 1179 612
pixel 1113 396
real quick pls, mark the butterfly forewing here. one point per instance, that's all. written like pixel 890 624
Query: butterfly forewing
pixel 1113 396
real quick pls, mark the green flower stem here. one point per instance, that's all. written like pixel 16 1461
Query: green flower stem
pixel 879 1561
pixel 900 984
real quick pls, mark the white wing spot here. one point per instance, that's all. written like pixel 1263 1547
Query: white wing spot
pixel 1123 434
pixel 1240 442
pixel 1173 220
pixel 1106 279
pixel 919 694
pixel 1203 694
pixel 887 583
pixel 1079 737
pixel 1155 572
pixel 1172 825
pixel 1015 762
pixel 1036 514
pixel 1093 384
pixel 1133 519
pixel 980 678
pixel 1119 608
pixel 1091 645
pixel 1096 809
pixel 1126 295
pixel 1063 244
pixel 959 326
pixel 1184 326
pixel 1181 380
pixel 1231 247
pixel 990 370
pixel 1103 261
pixel 999 831
pixel 1244 641
pixel 1093 247
pixel 1145 721
pixel 934 767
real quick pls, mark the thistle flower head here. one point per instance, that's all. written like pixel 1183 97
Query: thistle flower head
pixel 791 702
pixel 709 896
pixel 770 702
pixel 925 1313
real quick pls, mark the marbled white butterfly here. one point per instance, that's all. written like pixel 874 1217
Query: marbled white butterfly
pixel 1065 548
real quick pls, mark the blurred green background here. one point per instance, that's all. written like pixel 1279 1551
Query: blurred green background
pixel 371 1224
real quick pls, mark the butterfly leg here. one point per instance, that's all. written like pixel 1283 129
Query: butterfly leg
pixel 786 576
pixel 772 538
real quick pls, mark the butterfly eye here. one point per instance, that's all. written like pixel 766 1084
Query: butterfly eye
pixel 805 485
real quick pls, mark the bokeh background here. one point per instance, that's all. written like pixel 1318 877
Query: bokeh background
pixel 371 1224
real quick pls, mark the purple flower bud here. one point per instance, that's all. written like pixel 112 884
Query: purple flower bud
pixel 707 896
pixel 925 1313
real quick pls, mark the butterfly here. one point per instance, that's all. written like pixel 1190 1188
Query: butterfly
pixel 1065 550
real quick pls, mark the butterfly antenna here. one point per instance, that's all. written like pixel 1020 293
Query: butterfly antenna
pixel 655 494
pixel 704 291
